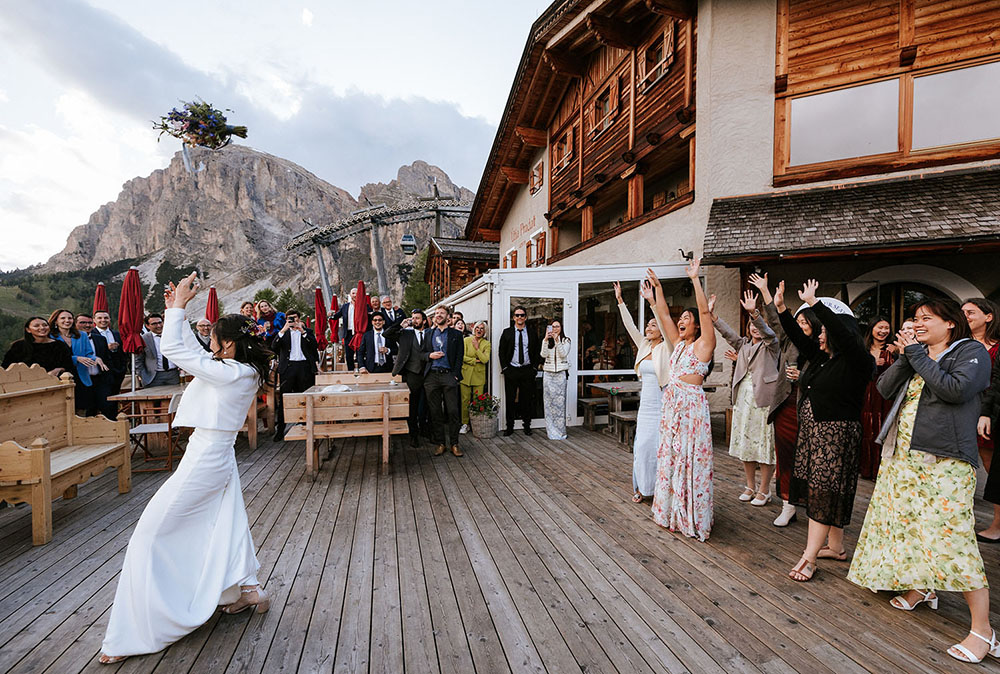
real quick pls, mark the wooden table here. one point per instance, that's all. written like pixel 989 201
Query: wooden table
pixel 157 398
pixel 364 409
pixel 627 390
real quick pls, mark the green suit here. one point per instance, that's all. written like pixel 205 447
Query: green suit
pixel 473 372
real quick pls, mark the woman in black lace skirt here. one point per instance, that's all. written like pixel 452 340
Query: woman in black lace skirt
pixel 825 476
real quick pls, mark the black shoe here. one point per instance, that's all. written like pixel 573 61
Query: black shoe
pixel 414 441
pixel 527 430
pixel 508 432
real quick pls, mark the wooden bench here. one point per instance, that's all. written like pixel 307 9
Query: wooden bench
pixel 591 408
pixel 378 405
pixel 47 449
pixel 624 423
pixel 350 378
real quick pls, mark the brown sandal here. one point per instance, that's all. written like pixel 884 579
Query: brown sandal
pixel 110 659
pixel 803 571
pixel 826 553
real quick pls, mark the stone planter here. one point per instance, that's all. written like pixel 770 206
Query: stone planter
pixel 483 426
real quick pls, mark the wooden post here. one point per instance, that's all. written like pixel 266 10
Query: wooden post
pixel 312 456
pixel 635 196
pixel 41 491
pixel 67 378
pixel 385 428
pixel 587 226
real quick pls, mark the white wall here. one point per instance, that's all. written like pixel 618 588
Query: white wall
pixel 526 215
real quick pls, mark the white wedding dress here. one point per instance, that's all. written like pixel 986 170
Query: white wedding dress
pixel 191 549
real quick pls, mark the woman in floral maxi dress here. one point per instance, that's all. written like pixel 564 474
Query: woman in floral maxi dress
pixel 919 535
pixel 682 499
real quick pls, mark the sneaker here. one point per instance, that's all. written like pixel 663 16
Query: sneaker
pixel 464 429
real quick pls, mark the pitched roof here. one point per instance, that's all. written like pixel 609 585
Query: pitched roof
pixel 955 206
pixel 463 249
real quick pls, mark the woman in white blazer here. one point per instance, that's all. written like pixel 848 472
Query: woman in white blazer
pixel 652 366
pixel 191 549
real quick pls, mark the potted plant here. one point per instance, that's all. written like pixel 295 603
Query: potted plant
pixel 483 410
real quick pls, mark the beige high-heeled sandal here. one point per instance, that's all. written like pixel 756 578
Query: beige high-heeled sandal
pixel 262 604
pixel 110 659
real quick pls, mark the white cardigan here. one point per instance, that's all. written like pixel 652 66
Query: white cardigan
pixel 219 397
pixel 660 352
pixel 556 359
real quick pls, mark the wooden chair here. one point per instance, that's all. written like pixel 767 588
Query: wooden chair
pixel 47 449
pixel 155 422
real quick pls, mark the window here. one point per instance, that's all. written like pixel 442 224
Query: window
pixel 528 248
pixel 655 58
pixel 540 247
pixel 562 151
pixel 534 254
pixel 513 259
pixel 624 86
pixel 957 106
pixel 604 109
pixel 537 178
pixel 846 123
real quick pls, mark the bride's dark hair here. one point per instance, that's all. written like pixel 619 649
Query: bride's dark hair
pixel 250 349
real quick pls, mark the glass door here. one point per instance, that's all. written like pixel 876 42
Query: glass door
pixel 541 310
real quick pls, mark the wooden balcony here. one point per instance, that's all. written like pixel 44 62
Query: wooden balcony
pixel 525 555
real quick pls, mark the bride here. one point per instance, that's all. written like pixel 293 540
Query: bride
pixel 191 549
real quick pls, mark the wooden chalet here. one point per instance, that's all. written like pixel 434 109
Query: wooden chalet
pixel 455 263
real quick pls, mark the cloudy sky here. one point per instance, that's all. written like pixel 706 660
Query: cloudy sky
pixel 349 90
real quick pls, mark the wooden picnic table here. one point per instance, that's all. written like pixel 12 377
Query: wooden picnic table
pixel 369 405
pixel 627 390
pixel 156 399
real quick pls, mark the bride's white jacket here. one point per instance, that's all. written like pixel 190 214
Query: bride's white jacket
pixel 220 395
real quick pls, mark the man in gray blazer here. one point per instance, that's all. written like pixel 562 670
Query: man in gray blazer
pixel 156 369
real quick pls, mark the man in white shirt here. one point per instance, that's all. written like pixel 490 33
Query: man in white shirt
pixel 345 314
pixel 378 352
pixel 117 360
pixel 409 362
pixel 392 315
pixel 298 361
pixel 157 369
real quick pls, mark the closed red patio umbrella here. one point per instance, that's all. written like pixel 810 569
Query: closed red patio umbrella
pixel 360 317
pixel 100 298
pixel 334 322
pixel 130 315
pixel 212 308
pixel 320 320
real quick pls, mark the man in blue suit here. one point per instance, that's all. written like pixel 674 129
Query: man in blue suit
pixel 444 352
pixel 378 352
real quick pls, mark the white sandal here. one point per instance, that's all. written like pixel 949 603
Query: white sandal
pixel 965 655
pixel 760 499
pixel 925 597
pixel 262 604
pixel 748 494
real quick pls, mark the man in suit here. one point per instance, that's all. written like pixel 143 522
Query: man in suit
pixel 95 398
pixel 203 333
pixel 377 351
pixel 117 360
pixel 393 315
pixel 298 361
pixel 346 315
pixel 520 355
pixel 409 361
pixel 443 351
pixel 156 369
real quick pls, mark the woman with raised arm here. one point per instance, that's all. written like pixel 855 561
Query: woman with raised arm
pixel 755 377
pixel 191 549
pixel 682 500
pixel 652 366
pixel 879 342
pixel 919 535
pixel 825 476
pixel 783 411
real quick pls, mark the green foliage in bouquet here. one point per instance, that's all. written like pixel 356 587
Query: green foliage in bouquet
pixel 485 405
pixel 198 123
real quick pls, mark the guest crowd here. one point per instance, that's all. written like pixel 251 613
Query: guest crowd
pixel 819 401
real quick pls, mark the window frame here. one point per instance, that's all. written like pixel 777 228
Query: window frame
pixel 649 76
pixel 564 142
pixel 536 180
pixel 903 158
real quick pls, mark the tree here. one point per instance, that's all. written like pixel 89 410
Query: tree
pixel 270 295
pixel 288 300
pixel 417 293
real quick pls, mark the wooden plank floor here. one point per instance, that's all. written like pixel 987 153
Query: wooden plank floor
pixel 524 556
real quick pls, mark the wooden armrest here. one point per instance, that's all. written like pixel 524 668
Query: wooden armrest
pixel 24 464
pixel 97 430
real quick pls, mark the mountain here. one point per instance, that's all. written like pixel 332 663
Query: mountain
pixel 231 220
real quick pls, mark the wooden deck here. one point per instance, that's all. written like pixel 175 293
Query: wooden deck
pixel 525 555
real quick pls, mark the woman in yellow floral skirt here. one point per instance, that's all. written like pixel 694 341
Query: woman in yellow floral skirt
pixel 919 535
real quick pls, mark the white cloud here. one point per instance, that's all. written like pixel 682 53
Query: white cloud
pixel 307 17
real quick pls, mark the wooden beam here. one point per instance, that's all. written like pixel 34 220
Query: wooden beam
pixel 488 234
pixel 635 196
pixel 517 176
pixel 532 137
pixel 587 223
pixel 679 9
pixel 611 32
pixel 688 65
pixel 564 64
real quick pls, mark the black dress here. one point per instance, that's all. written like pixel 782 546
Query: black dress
pixel 827 452
pixel 49 355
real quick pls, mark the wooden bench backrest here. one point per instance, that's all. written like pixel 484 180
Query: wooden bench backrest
pixel 359 406
pixel 34 404
pixel 328 378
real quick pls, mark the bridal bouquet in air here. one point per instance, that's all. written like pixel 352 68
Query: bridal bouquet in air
pixel 198 123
